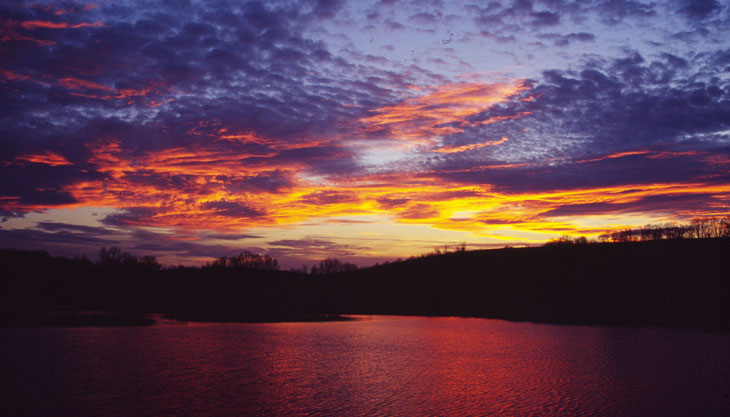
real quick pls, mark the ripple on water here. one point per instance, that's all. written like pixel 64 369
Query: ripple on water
pixel 379 366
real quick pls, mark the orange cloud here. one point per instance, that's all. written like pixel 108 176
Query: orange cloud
pixel 193 189
pixel 10 75
pixel 441 112
pixel 613 156
pixel 466 148
pixel 242 137
pixel 8 33
pixel 648 153
pixel 210 187
pixel 78 84
pixel 497 119
pixel 48 158
pixel 35 24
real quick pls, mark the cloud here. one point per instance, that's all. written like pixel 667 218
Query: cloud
pixel 231 209
pixel 36 24
pixel 616 11
pixel 698 9
pixel 309 248
pixel 565 40
pixel 623 104
pixel 47 157
pixel 327 9
pixel 425 18
pixel 665 203
pixel 230 236
pixel 326 197
pixel 655 167
pixel 441 111
pixel 88 230
pixel 131 216
pixel 221 117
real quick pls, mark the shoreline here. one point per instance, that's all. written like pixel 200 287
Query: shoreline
pixel 102 319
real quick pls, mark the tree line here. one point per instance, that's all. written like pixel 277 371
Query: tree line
pixel 115 258
pixel 254 261
pixel 699 228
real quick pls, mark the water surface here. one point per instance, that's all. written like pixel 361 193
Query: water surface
pixel 374 366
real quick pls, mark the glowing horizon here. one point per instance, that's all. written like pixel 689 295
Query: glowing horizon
pixel 359 132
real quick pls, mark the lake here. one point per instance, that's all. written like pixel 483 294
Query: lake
pixel 377 365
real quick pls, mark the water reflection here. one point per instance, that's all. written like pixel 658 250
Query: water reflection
pixel 374 366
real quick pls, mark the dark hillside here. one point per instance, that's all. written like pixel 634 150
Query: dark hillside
pixel 682 283
pixel 676 283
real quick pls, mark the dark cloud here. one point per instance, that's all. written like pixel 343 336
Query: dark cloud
pixel 34 238
pixel 37 184
pixel 425 18
pixel 230 236
pixel 612 171
pixel 88 230
pixel 615 11
pixel 162 181
pixel 231 209
pixel 512 16
pixel 73 240
pixel 498 37
pixel 393 25
pixel 625 104
pixel 668 203
pixel 450 195
pixel 545 19
pixel 327 197
pixel 156 76
pixel 309 248
pixel 389 203
pixel 272 182
pixel 59 239
pixel 565 40
pixel 131 216
pixel 698 9
pixel 419 211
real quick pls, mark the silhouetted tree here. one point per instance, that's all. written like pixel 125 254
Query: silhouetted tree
pixel 111 256
pixel 247 260
pixel 562 240
pixel 115 258
pixel 626 235
pixel 708 227
pixel 725 225
pixel 301 270
pixel 567 241
pixel 651 232
pixel 149 262
pixel 331 266
pixel 676 232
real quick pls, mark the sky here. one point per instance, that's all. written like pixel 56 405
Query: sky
pixel 361 130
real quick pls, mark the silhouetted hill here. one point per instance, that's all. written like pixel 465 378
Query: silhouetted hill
pixel 676 283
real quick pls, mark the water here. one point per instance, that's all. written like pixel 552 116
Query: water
pixel 387 366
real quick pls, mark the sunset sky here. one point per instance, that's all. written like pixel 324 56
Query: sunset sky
pixel 362 130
